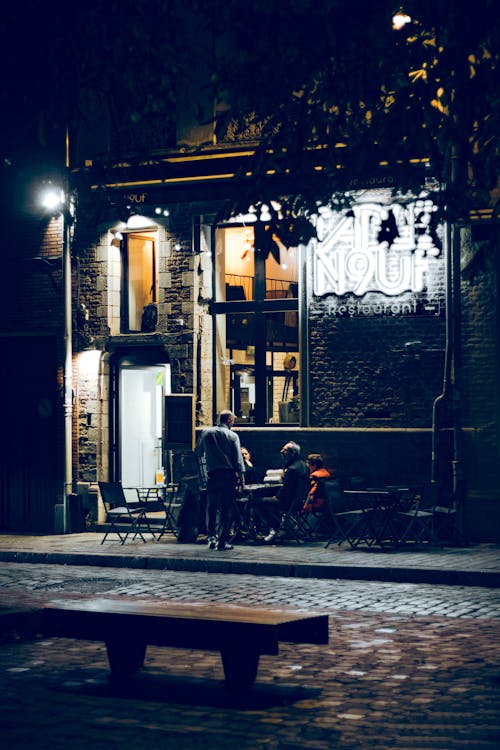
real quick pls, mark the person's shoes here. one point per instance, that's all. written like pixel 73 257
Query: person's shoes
pixel 270 536
pixel 224 546
pixel 212 542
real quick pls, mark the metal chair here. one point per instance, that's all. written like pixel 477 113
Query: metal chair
pixel 346 519
pixel 123 516
pixel 416 521
pixel 291 523
pixel 433 518
pixel 363 516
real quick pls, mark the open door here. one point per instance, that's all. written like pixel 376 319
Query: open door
pixel 142 390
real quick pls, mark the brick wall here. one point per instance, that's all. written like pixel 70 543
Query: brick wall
pixel 362 373
pixel 480 382
pixel 381 456
pixel 364 368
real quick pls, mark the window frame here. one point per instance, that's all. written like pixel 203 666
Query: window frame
pixel 125 276
pixel 260 307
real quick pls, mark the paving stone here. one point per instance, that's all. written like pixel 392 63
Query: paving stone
pixel 409 666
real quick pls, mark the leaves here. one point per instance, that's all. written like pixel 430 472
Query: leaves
pixel 300 78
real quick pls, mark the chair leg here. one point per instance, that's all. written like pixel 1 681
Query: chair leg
pixel 113 529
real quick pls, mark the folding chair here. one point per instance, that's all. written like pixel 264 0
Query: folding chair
pixel 447 522
pixel 432 518
pixel 348 515
pixel 416 521
pixel 291 524
pixel 123 516
pixel 173 503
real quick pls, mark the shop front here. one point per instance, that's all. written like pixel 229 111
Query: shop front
pixel 339 344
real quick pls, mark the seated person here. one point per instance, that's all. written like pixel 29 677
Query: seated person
pixel 294 488
pixel 250 476
pixel 318 473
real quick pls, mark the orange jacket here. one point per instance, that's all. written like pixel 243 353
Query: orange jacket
pixel 316 497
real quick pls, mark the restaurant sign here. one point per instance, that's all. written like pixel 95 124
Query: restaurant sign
pixel 374 247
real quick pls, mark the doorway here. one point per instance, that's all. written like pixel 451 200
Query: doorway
pixel 142 390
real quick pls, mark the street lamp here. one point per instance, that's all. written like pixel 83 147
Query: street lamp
pixel 57 201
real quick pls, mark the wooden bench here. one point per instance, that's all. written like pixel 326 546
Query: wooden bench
pixel 240 634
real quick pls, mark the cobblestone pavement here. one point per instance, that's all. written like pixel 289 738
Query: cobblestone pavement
pixel 35 584
pixel 471 565
pixel 408 666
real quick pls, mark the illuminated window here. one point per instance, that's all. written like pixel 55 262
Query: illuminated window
pixel 139 282
pixel 256 363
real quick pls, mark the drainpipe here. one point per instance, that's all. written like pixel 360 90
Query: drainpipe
pixel 68 354
pixel 442 399
pixel 452 359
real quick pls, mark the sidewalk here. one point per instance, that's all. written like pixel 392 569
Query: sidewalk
pixel 473 565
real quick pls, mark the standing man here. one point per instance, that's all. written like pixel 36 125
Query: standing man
pixel 225 469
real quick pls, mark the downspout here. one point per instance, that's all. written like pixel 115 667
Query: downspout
pixel 68 352
pixel 303 332
pixel 452 358
pixel 441 400
pixel 457 468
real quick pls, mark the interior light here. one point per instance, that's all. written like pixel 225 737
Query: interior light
pixel 138 222
pixel 157 210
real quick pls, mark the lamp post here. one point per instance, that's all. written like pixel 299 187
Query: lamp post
pixel 58 200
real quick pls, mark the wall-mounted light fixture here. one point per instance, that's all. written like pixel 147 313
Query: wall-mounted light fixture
pixel 400 19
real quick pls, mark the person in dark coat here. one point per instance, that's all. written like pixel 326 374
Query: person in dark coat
pixel 295 484
pixel 220 447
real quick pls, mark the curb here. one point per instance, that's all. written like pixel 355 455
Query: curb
pixel 240 567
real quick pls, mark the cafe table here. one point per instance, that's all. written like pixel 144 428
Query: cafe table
pixel 375 510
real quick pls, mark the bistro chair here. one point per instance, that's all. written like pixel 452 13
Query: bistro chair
pixel 291 524
pixel 416 521
pixel 447 521
pixel 347 521
pixel 123 515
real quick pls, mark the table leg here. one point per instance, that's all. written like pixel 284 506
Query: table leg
pixel 240 667
pixel 125 658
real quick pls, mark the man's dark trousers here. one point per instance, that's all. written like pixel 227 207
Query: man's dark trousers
pixel 221 487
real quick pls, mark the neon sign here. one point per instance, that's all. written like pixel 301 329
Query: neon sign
pixel 375 248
